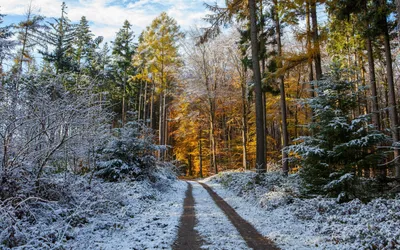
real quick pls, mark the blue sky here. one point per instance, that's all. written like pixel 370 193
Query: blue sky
pixel 107 16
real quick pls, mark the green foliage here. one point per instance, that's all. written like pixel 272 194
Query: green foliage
pixel 122 69
pixel 60 36
pixel 84 44
pixel 341 144
pixel 127 153
pixel 6 45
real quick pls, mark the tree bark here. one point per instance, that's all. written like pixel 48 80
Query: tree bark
pixel 285 135
pixel 372 81
pixel 260 134
pixel 200 155
pixel 316 49
pixel 244 121
pixel 391 92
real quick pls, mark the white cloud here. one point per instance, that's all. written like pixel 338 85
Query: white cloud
pixel 107 16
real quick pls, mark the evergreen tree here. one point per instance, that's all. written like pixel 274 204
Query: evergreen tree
pixel 6 44
pixel 28 37
pixel 340 145
pixel 83 42
pixel 122 68
pixel 60 36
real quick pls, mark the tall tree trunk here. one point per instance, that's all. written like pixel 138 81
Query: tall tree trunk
pixel 165 123
pixel 310 58
pixel 244 120
pixel 372 81
pixel 316 49
pixel 200 154
pixel 139 110
pixel 260 125
pixel 285 135
pixel 190 167
pixel 391 92
pixel 212 142
pixel 145 104
pixel 152 125
pixel 161 125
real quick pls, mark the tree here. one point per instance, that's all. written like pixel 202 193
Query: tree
pixel 260 126
pixel 83 42
pixel 159 45
pixel 285 135
pixel 60 36
pixel 340 147
pixel 382 13
pixel 47 127
pixel 316 38
pixel 123 51
pixel 223 16
pixel 6 44
pixel 206 71
pixel 28 31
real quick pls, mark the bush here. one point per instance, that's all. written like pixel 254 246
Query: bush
pixel 128 153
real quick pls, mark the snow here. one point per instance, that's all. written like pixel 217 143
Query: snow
pixel 138 214
pixel 274 206
pixel 145 214
pixel 213 225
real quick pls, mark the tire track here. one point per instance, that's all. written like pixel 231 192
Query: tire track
pixel 188 237
pixel 252 237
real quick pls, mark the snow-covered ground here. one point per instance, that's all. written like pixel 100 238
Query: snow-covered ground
pixel 128 215
pixel 274 207
pixel 213 226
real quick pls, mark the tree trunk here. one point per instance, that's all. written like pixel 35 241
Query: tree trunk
pixel 212 143
pixel 316 49
pixel 372 81
pixel 244 120
pixel 285 135
pixel 190 167
pixel 260 127
pixel 200 155
pixel 161 125
pixel 152 125
pixel 145 104
pixel 391 91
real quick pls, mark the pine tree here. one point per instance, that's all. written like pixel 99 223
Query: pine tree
pixel 83 42
pixel 60 36
pixel 6 44
pixel 122 68
pixel 28 36
pixel 340 146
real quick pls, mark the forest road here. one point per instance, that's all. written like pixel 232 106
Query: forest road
pixel 189 238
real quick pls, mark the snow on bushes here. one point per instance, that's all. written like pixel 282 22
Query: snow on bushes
pixel 275 206
pixel 104 215
pixel 127 153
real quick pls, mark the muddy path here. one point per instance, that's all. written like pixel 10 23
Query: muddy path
pixel 189 239
pixel 252 237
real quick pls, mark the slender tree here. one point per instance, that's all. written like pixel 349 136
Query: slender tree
pixel 159 44
pixel 6 44
pixel 60 36
pixel 28 36
pixel 260 127
pixel 123 51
